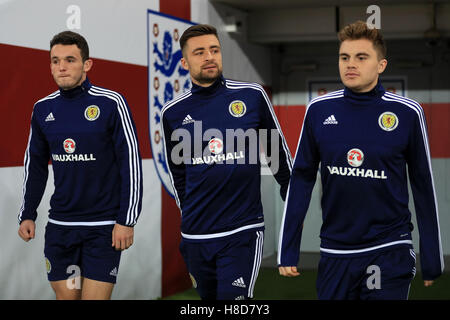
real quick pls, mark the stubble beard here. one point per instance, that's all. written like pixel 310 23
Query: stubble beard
pixel 206 79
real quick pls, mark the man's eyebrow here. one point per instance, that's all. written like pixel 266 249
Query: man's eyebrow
pixel 66 57
pixel 358 54
pixel 202 48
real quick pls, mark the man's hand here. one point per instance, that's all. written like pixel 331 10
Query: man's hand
pixel 428 283
pixel 122 237
pixel 288 271
pixel 27 230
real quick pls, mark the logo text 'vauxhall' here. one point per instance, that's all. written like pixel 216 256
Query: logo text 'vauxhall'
pixel 215 146
pixel 355 158
pixel 69 146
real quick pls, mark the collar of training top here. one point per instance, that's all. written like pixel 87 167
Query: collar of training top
pixel 220 82
pixel 376 92
pixel 75 92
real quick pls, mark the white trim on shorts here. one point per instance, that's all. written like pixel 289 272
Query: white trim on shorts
pixel 89 224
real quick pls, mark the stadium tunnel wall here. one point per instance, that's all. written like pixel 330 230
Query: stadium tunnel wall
pixel 117 35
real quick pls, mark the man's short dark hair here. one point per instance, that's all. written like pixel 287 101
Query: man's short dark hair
pixel 69 38
pixel 196 31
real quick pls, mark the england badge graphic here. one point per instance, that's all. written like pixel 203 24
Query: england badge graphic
pixel 166 79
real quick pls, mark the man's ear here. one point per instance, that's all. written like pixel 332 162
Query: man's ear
pixel 382 66
pixel 88 65
pixel 184 64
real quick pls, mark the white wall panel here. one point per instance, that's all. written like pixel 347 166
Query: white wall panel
pixel 115 30
pixel 22 267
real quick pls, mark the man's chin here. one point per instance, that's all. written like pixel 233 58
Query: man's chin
pixel 67 85
pixel 359 86
pixel 205 80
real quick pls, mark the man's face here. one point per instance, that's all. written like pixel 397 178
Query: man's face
pixel 359 65
pixel 67 66
pixel 203 59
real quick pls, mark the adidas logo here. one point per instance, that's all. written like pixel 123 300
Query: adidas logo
pixel 187 120
pixel 239 283
pixel 113 272
pixel 330 120
pixel 50 117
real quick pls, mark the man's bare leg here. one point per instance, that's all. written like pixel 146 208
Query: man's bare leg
pixel 96 290
pixel 65 290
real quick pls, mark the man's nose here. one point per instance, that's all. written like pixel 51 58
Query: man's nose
pixel 351 63
pixel 208 56
pixel 62 65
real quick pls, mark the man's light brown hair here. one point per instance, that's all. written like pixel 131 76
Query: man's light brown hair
pixel 360 30
pixel 196 31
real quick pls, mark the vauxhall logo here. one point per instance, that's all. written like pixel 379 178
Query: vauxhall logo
pixel 234 146
pixel 355 158
pixel 215 146
pixel 69 146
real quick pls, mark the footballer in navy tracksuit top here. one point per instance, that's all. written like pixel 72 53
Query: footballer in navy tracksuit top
pixel 89 135
pixel 366 143
pixel 217 185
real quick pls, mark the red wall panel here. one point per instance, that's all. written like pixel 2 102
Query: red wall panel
pixel 438 121
pixel 132 82
pixel 25 79
pixel 177 8
pixel 291 121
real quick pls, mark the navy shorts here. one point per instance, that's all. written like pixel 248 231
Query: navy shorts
pixel 226 268
pixel 382 275
pixel 84 251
